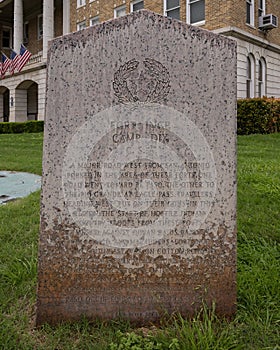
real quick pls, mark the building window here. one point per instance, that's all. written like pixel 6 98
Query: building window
pixel 262 77
pixel 81 25
pixel 136 5
pixel 6 37
pixel 261 9
pixel 119 11
pixel 25 32
pixel 250 82
pixel 81 3
pixel 40 27
pixel 93 21
pixel 250 12
pixel 196 11
pixel 172 8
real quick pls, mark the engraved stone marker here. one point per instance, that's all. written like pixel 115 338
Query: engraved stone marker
pixel 139 190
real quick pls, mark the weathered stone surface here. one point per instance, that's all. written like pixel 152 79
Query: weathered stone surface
pixel 138 213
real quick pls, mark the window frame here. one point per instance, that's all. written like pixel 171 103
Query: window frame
pixel 7 29
pixel 262 77
pixel 251 16
pixel 118 8
pixel 81 3
pixel 79 24
pixel 94 19
pixel 135 2
pixel 250 76
pixel 25 32
pixel 40 32
pixel 188 14
pixel 165 10
pixel 261 8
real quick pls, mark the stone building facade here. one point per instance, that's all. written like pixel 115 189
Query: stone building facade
pixel 34 22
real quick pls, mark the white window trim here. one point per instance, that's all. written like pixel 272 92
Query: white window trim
pixel 6 28
pixel 165 10
pixel 92 19
pixel 117 9
pixel 80 24
pixel 134 3
pixel 188 16
pixel 81 5
pixel 39 36
pixel 252 13
pixel 262 10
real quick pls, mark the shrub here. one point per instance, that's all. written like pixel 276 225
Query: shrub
pixel 258 116
pixel 22 127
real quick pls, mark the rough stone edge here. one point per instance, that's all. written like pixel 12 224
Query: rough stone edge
pixel 109 26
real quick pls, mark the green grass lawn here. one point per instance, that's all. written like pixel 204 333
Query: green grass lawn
pixel 21 152
pixel 257 322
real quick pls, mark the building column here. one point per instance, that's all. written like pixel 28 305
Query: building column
pixel 66 16
pixel 18 24
pixel 48 24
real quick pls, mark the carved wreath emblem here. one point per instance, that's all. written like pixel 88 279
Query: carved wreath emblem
pixel 151 83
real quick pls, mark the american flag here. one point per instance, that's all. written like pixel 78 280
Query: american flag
pixel 14 58
pixel 5 64
pixel 24 56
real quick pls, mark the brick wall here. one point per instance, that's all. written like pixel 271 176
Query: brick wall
pixel 58 19
pixel 154 5
pixel 218 14
pixel 223 13
pixel 104 9
pixel 34 44
pixel 273 6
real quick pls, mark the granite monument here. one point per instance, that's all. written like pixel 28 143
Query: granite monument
pixel 138 212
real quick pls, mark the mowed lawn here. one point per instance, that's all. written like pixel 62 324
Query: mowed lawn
pixel 257 322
